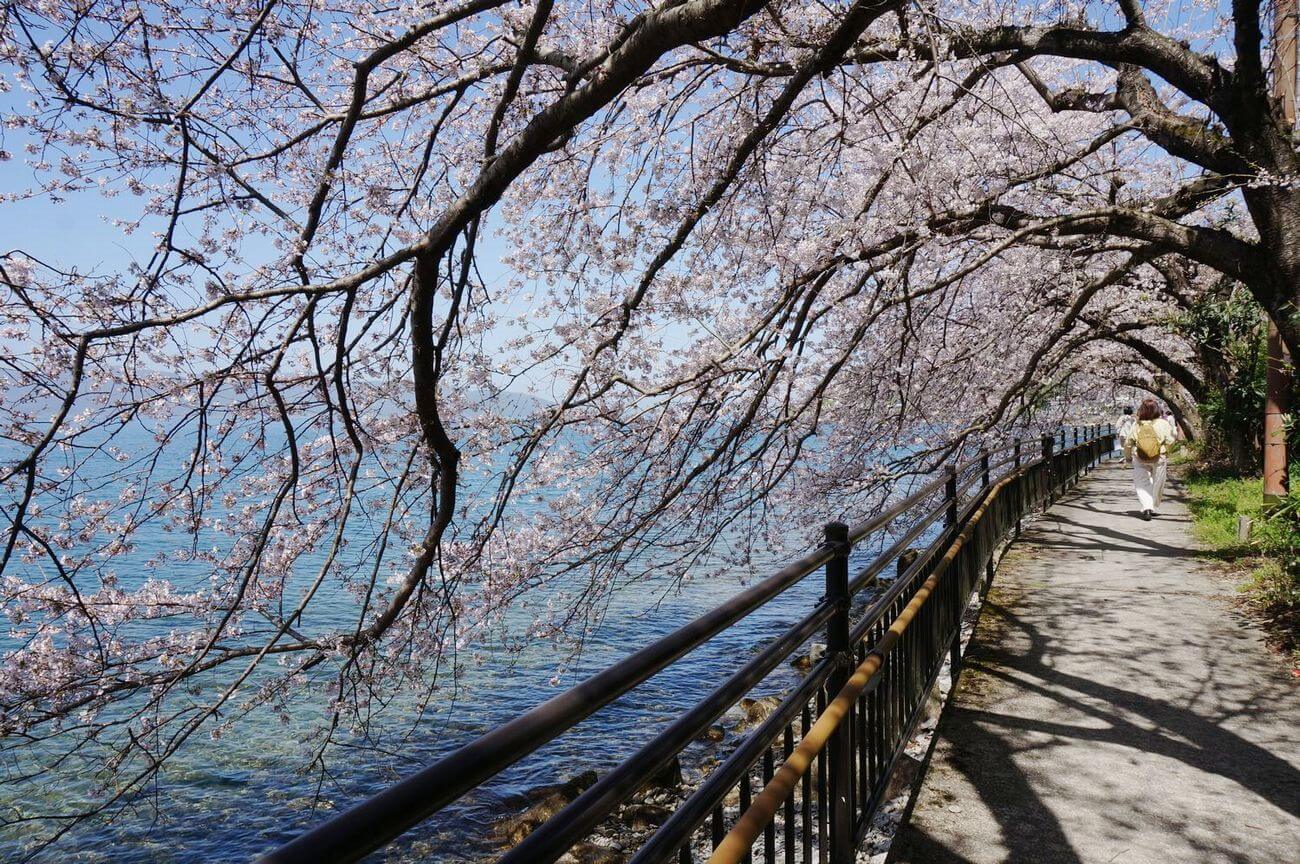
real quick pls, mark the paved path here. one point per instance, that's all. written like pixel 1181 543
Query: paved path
pixel 1113 707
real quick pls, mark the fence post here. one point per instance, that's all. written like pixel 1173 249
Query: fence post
pixel 985 532
pixel 950 524
pixel 839 761
pixel 1020 494
pixel 950 493
pixel 1074 460
pixel 991 542
pixel 1049 445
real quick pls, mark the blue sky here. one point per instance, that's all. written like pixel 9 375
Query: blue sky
pixel 79 232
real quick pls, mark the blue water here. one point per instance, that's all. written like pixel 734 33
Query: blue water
pixel 231 798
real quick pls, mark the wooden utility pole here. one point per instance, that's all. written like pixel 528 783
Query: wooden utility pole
pixel 1278 379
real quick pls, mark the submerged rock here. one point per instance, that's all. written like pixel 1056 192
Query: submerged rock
pixel 644 817
pixel 587 852
pixel 804 662
pixel 714 734
pixel 573 787
pixel 549 800
pixel 757 710
pixel 667 777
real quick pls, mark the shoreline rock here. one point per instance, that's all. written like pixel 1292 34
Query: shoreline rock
pixel 548 800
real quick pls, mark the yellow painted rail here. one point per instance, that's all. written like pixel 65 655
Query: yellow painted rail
pixel 763 809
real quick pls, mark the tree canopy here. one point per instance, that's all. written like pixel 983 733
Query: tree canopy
pixel 754 263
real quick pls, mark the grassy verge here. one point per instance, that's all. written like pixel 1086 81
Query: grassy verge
pixel 1268 564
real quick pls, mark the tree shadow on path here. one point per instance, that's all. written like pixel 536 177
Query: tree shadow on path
pixel 1197 740
pixel 1170 683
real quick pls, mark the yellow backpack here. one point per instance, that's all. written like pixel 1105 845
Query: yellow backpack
pixel 1146 442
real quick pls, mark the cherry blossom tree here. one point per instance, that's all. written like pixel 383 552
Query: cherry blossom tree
pixel 1199 91
pixel 757 264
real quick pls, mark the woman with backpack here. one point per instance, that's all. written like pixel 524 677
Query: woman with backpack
pixel 1147 443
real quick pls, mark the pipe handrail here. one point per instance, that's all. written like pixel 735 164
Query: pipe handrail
pixel 378 820
pixel 696 808
pixel 692 813
pixel 738 842
pixel 388 814
pixel 553 838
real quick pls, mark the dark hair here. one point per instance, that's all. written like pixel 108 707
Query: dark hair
pixel 1149 409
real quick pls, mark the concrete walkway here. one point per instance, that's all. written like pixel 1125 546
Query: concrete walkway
pixel 1113 708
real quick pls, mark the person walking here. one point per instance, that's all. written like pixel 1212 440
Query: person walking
pixel 1122 426
pixel 1173 424
pixel 1147 444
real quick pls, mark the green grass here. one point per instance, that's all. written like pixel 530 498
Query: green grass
pixel 1216 501
pixel 1268 564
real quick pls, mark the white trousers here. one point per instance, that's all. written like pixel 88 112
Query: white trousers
pixel 1149 482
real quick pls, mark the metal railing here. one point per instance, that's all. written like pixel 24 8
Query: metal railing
pixel 824 819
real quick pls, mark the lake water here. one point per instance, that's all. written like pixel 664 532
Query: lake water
pixel 226 800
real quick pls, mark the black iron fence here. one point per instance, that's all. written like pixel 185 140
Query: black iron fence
pixel 969 511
